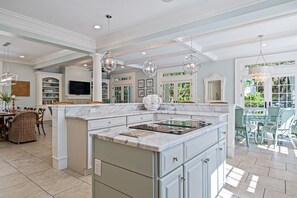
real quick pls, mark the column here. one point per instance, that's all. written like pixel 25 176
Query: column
pixel 97 77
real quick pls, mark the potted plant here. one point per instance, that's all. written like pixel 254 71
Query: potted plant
pixel 6 98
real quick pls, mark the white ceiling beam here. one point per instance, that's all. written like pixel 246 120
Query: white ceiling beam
pixel 197 49
pixel 249 40
pixel 164 28
pixel 137 66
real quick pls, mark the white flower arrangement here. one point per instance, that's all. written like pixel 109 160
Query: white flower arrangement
pixel 152 102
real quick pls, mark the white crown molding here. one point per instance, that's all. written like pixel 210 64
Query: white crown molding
pixel 16 60
pixel 54 55
pixel 34 29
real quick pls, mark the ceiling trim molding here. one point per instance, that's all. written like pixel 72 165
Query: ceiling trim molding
pixel 32 29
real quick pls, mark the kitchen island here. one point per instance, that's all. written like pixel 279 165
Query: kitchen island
pixel 159 165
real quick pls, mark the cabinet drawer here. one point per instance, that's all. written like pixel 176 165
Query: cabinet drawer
pixel 139 118
pixel 206 118
pixel 168 116
pixel 106 123
pixel 200 143
pixel 171 159
pixel 222 132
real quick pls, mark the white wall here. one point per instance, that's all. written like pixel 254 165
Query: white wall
pixel 26 73
pixel 223 68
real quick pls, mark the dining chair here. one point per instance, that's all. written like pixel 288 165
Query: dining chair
pixel 282 127
pixel 39 121
pixel 242 126
pixel 22 127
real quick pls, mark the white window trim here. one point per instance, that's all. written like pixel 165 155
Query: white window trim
pixel 130 82
pixel 241 72
pixel 186 78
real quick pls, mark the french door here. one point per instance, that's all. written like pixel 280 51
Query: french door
pixel 176 91
pixel 122 94
pixel 277 91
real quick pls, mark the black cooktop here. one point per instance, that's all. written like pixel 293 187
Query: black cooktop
pixel 177 127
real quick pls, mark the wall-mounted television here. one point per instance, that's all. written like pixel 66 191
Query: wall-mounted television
pixel 79 88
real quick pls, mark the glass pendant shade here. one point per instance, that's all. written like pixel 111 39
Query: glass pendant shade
pixel 108 62
pixel 191 64
pixel 7 78
pixel 149 68
pixel 260 72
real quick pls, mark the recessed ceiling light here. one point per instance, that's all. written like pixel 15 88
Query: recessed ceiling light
pixel 144 53
pixel 22 56
pixel 122 67
pixel 85 65
pixel 264 44
pixel 97 27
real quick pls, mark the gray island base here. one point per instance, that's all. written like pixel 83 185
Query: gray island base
pixel 160 165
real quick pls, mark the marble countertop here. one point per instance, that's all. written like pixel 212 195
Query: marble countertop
pixel 96 115
pixel 155 141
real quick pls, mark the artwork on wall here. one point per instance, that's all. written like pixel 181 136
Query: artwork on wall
pixel 149 91
pixel 21 88
pixel 141 93
pixel 141 83
pixel 149 82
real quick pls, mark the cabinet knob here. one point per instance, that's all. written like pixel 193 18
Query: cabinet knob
pixel 175 159
pixel 141 118
pixel 109 122
pixel 224 132
pixel 220 149
pixel 183 179
pixel 206 160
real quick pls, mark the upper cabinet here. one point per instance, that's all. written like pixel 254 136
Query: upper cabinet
pixel 49 88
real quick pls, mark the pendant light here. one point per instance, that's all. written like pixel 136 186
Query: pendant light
pixel 149 68
pixel 7 78
pixel 259 72
pixel 191 62
pixel 108 62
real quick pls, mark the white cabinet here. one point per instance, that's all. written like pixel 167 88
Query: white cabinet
pixel 49 90
pixel 171 116
pixel 221 164
pixel 171 186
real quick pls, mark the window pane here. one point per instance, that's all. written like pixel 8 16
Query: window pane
pixel 184 92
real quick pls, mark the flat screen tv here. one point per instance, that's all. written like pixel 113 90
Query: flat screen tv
pixel 79 88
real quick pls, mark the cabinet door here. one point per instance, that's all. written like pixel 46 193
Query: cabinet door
pixel 171 186
pixel 221 164
pixel 212 172
pixel 194 174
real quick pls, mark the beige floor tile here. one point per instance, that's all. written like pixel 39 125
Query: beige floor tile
pixel 273 194
pixel 244 190
pixel 284 175
pixel 236 176
pixel 87 179
pixel 26 189
pixel 7 170
pixel 291 188
pixel 224 193
pixel 254 169
pixel 16 154
pixel 30 165
pixel 271 164
pixel 246 159
pixel 292 168
pixel 267 182
pixel 259 155
pixel 12 179
pixel 232 161
pixel 54 181
pixel 3 163
pixel 82 191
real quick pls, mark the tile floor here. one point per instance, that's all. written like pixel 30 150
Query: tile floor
pixel 257 171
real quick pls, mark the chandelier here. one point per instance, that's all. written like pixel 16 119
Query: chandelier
pixel 108 62
pixel 191 63
pixel 260 72
pixel 7 78
pixel 149 68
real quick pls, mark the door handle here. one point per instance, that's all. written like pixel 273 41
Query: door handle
pixel 269 104
pixel 265 105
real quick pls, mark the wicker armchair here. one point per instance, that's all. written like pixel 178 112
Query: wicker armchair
pixel 22 127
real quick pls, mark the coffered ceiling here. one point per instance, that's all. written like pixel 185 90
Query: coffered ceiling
pixel 55 32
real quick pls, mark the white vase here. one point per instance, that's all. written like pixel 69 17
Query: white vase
pixel 152 102
pixel 151 107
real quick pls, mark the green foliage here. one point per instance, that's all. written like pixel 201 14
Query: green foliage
pixel 5 97
pixel 254 99
pixel 184 92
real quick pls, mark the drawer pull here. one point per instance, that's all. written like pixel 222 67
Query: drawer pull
pixel 175 159
pixel 220 149
pixel 141 118
pixel 109 122
pixel 183 179
pixel 206 160
pixel 224 132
